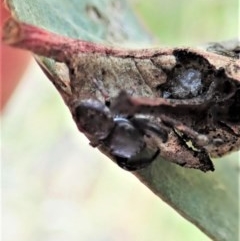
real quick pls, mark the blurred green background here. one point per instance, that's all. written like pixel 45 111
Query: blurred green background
pixel 56 187
pixel 185 22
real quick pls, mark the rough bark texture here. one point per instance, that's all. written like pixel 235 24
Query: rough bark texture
pixel 193 92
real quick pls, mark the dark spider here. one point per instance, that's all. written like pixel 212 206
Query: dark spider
pixel 122 136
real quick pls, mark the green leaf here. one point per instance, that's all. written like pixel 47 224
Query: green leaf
pixel 209 200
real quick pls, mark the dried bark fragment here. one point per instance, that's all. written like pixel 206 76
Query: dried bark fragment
pixel 194 93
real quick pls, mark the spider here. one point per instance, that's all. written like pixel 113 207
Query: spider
pixel 123 136
pixel 135 137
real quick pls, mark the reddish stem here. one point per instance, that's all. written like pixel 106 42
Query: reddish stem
pixel 47 44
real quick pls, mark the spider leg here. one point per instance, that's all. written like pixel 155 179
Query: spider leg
pixel 146 124
pixel 137 164
pixel 200 140
pixel 99 85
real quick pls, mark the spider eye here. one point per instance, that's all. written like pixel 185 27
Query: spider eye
pixel 107 103
pixel 94 118
pixel 125 140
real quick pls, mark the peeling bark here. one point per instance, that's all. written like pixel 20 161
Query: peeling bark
pixel 192 92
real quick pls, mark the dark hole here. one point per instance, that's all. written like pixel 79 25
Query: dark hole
pixel 210 115
pixel 234 112
pixel 237 50
pixel 71 71
pixel 220 72
pixel 178 66
pixel 158 87
pixel 210 71
pixel 107 103
pixel 227 87
pixel 103 71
